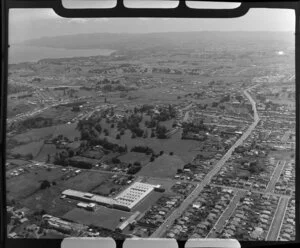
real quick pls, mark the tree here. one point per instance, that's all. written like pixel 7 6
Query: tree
pixel 145 134
pixel 76 109
pixel 106 133
pixel 45 184
pixel 161 132
pixel 71 153
pixel 115 160
pixel 215 104
pixel 98 127
pixel 131 226
pixel 137 163
pixel 48 158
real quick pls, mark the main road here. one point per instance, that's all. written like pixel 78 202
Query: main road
pixel 192 197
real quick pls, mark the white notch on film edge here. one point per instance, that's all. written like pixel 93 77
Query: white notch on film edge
pixel 137 242
pixel 218 243
pixel 89 4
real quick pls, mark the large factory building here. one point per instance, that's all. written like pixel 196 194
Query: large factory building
pixel 126 200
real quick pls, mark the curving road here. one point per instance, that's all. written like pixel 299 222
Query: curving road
pixel 192 197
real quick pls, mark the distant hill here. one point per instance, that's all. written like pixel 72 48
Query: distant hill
pixel 163 40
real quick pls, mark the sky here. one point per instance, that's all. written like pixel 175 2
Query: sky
pixel 25 24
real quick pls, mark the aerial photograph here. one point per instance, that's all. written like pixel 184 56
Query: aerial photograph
pixel 151 127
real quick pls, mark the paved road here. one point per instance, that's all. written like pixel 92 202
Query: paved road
pixel 219 225
pixel 192 197
pixel 40 110
pixel 278 218
pixel 247 190
pixel 187 113
pixel 276 174
pixel 34 112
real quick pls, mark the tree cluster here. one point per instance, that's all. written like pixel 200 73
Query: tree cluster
pixel 142 149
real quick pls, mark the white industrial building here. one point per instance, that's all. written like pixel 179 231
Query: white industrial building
pixel 83 196
pixel 131 196
pixel 126 200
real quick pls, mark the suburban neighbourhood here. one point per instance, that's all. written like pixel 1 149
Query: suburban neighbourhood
pixel 154 139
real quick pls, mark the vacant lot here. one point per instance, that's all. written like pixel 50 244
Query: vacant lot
pixel 30 148
pixel 27 184
pixel 132 157
pixel 36 134
pixel 44 151
pixel 48 200
pixel 147 202
pixel 86 181
pixel 103 217
pixel 163 166
pixel 67 130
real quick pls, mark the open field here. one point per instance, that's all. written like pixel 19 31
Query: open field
pixel 44 151
pixel 34 134
pixel 49 200
pixel 132 157
pixel 25 185
pixel 85 181
pixel 67 130
pixel 163 166
pixel 30 148
pixel 147 202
